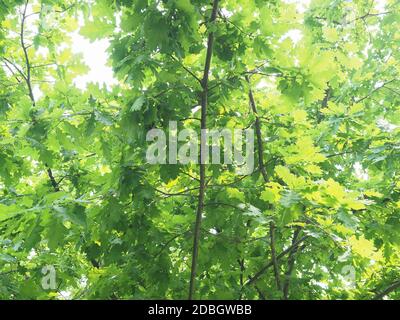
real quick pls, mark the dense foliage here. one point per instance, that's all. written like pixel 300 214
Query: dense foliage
pixel 319 218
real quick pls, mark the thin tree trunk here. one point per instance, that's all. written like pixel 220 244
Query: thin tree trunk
pixel 200 206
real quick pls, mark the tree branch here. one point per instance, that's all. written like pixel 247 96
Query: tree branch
pixel 291 261
pixel 241 276
pixel 52 179
pixel 27 78
pixel 185 68
pixel 270 264
pixel 16 68
pixel 388 290
pixel 24 49
pixel 169 241
pixel 182 194
pixel 367 15
pixel 260 150
pixel 200 206
pixel 273 255
pixel 373 91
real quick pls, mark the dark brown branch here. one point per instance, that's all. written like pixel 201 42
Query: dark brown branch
pixel 370 15
pixel 363 17
pixel 260 294
pixel 189 175
pixel 185 68
pixel 388 290
pixel 273 255
pixel 27 78
pixel 270 264
pixel 291 260
pixel 260 148
pixel 200 206
pixel 220 14
pixel 324 103
pixel 191 118
pixel 175 194
pixel 164 246
pixel 24 49
pixel 392 90
pixel 224 204
pixel 52 179
pixel 338 154
pixel 32 14
pixel 66 9
pixel 43 65
pixel 12 72
pixel 265 176
pixel 373 91
pixel 16 68
pixel 241 276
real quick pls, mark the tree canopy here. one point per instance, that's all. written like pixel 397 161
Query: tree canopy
pixel 319 218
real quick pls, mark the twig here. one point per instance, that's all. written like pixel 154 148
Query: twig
pixel 369 15
pixel 373 91
pixel 16 68
pixel 183 194
pixel 169 241
pixel 185 68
